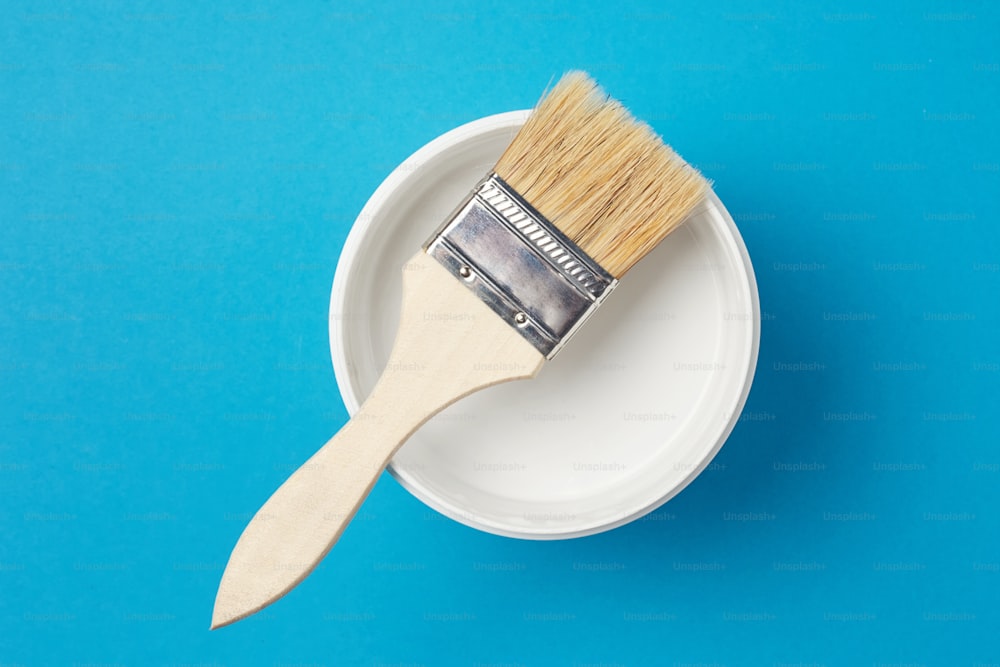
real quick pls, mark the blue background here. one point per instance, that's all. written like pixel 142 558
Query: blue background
pixel 177 181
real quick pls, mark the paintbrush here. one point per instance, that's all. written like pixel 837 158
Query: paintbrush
pixel 582 193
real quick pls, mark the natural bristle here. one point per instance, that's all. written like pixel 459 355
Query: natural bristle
pixel 603 178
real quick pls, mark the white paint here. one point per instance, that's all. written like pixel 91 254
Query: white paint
pixel 626 416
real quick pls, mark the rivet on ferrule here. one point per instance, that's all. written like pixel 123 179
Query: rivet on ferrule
pixel 520 265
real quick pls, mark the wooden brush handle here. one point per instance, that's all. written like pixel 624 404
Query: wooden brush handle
pixel 449 344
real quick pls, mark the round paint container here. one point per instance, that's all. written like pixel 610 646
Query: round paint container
pixel 628 413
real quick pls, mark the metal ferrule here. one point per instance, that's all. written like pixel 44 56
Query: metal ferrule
pixel 520 265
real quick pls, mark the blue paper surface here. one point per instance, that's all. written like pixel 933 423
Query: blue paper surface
pixel 177 181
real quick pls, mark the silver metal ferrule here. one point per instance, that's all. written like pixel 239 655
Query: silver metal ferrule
pixel 520 265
